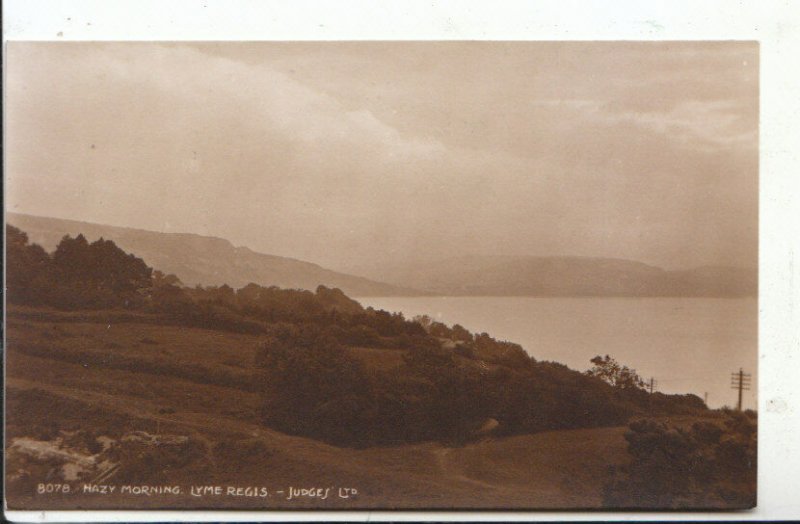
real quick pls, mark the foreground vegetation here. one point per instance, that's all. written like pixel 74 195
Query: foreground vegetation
pixel 103 347
pixel 710 464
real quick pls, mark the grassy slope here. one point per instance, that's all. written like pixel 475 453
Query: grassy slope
pixel 90 366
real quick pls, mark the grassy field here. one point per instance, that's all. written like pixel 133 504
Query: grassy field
pixel 90 376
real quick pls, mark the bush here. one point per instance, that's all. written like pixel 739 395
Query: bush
pixel 708 466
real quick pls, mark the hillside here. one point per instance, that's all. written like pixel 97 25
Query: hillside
pixel 117 375
pixel 567 276
pixel 197 259
pixel 73 382
pixel 48 367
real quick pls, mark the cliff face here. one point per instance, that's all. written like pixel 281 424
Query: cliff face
pixel 198 259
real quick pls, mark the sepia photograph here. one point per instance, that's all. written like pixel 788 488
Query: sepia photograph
pixel 362 275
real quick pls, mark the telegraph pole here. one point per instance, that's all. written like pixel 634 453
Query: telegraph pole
pixel 652 385
pixel 740 381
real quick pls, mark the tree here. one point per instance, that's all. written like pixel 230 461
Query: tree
pixel 101 264
pixel 223 295
pixel 423 320
pixel 29 271
pixel 312 387
pixel 168 295
pixel 98 275
pixel 615 374
pixel 443 399
pixel 160 279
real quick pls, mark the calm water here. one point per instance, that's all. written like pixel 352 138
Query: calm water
pixel 689 345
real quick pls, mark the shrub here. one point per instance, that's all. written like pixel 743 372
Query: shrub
pixel 708 466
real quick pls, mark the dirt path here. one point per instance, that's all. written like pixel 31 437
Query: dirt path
pixel 202 425
pixel 449 467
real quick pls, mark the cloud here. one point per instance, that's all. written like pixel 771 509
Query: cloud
pixel 708 125
pixel 335 153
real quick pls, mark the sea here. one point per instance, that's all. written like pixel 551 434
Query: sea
pixel 686 345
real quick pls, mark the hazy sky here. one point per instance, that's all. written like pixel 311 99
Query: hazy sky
pixel 347 154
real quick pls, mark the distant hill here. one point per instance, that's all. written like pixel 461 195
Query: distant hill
pixel 568 276
pixel 205 260
pixel 198 259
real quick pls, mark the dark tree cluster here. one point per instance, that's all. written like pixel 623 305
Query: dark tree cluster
pixel 710 465
pixel 99 275
pixel 78 275
pixel 312 386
